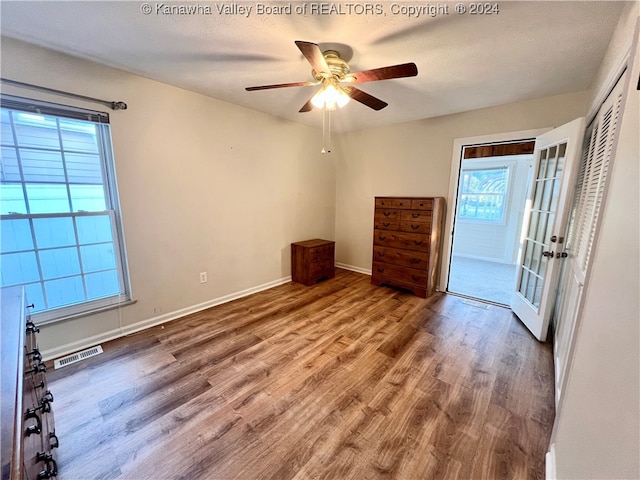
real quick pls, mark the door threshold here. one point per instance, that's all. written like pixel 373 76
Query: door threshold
pixel 479 300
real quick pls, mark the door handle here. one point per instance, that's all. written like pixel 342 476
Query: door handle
pixel 553 254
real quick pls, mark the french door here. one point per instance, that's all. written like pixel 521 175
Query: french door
pixel 557 154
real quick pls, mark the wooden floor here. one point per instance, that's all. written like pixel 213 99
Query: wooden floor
pixel 336 381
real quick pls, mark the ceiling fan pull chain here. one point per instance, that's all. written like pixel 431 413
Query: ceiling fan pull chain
pixel 326 130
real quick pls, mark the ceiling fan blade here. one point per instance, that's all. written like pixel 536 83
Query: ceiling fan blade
pixel 307 107
pixel 385 73
pixel 364 98
pixel 281 85
pixel 313 54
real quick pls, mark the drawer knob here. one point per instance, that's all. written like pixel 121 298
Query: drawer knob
pixel 381 237
pixel 380 270
pixel 415 260
pixel 37 368
pixel 415 278
pixel 47 397
pixel 51 467
pixel 386 214
pixel 386 224
pixel 415 227
pixel 53 440
pixel 35 354
pixel 415 215
pixel 31 429
pixel 31 328
pixel 381 254
pixel 418 242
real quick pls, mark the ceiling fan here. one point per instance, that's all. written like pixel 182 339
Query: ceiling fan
pixel 332 72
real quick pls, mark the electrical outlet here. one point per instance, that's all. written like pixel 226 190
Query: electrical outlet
pixel 203 277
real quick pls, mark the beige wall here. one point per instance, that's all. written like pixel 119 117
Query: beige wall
pixel 415 159
pixel 204 186
pixel 597 432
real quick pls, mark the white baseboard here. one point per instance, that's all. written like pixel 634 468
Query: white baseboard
pixel 152 322
pixel 484 259
pixel 354 268
pixel 550 463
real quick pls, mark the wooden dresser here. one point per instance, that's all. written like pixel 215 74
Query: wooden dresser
pixel 28 430
pixel 312 260
pixel 407 233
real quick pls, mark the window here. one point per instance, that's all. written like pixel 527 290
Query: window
pixel 483 194
pixel 60 233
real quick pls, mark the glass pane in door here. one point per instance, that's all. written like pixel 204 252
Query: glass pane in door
pixel 545 199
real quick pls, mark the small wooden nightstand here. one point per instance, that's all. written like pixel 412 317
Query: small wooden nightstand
pixel 312 260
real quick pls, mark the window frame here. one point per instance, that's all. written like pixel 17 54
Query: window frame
pixel 111 199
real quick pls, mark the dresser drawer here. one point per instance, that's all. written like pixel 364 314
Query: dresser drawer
pixel 422 204
pixel 385 202
pixel 411 276
pixel 321 254
pixel 404 258
pixel 415 227
pixel 415 216
pixel 415 221
pixel 409 241
pixel 321 269
pixel 384 224
pixel 388 214
pixel 386 219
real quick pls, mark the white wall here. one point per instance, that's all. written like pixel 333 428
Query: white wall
pixel 204 186
pixel 414 159
pixel 597 431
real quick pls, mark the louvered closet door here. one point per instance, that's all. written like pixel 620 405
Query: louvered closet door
pixel 599 145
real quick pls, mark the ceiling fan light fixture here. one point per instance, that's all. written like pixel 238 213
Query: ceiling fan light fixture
pixel 330 70
pixel 330 97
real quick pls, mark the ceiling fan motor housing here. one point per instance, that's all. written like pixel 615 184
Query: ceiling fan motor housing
pixel 338 67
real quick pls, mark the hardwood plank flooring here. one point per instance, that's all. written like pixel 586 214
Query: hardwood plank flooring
pixel 341 380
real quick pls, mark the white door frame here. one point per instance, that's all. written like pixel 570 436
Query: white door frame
pixel 452 199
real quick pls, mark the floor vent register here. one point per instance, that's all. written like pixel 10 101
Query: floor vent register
pixel 77 357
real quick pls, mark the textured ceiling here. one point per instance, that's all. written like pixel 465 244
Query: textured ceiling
pixel 526 50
